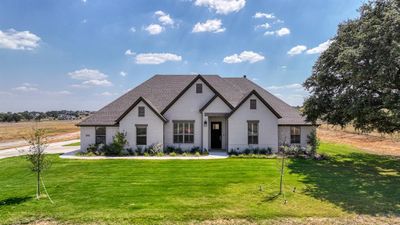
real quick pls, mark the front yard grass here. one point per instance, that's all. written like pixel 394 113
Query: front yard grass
pixel 181 191
pixel 73 144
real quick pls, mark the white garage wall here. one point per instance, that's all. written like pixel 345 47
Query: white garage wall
pixel 154 126
pixel 237 126
pixel 87 137
pixel 187 108
pixel 284 134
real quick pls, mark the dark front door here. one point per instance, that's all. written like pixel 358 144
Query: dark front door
pixel 216 135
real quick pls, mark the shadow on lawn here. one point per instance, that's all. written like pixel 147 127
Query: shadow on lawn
pixel 14 201
pixel 356 182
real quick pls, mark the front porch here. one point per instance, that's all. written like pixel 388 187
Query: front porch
pixel 215 132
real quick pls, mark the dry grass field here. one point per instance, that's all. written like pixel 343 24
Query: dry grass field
pixel 373 142
pixel 57 131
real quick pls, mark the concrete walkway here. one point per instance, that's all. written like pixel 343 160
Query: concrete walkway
pixel 53 148
pixel 212 155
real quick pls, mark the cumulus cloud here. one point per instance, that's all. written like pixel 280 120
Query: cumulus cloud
pixel 90 78
pixel 154 29
pixel 297 50
pixel 214 26
pixel 222 6
pixel 104 83
pixel 283 31
pixel 263 26
pixel 264 15
pixel 25 88
pixel 164 18
pixel 123 73
pixel 133 29
pixel 286 86
pixel 18 40
pixel 245 56
pixel 106 94
pixel 320 48
pixel 87 74
pixel 129 52
pixel 156 58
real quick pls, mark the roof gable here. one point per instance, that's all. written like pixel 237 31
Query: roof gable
pixel 254 92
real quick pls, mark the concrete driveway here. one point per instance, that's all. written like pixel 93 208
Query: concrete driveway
pixel 53 148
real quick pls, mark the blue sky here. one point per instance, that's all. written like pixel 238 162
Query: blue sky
pixel 77 54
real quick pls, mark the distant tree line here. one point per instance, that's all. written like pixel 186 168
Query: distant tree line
pixel 38 116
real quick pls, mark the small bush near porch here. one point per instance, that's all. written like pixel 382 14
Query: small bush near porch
pixel 180 191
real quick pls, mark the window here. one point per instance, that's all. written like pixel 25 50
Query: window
pixel 141 134
pixel 100 135
pixel 199 88
pixel 295 135
pixel 141 111
pixel 184 132
pixel 252 129
pixel 253 104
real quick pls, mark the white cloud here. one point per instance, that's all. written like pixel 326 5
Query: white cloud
pixel 104 83
pixel 222 6
pixel 154 29
pixel 90 78
pixel 18 40
pixel 214 26
pixel 164 18
pixel 156 58
pixel 87 74
pixel 245 56
pixel 283 31
pixel 264 15
pixel 129 52
pixel 268 33
pixel 263 26
pixel 133 29
pixel 297 50
pixel 123 73
pixel 286 86
pixel 106 93
pixel 84 1
pixel 24 88
pixel 320 48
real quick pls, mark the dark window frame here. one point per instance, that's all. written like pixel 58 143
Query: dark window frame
pixel 143 112
pixel 295 135
pixel 199 88
pixel 183 132
pixel 139 137
pixel 253 104
pixel 252 132
pixel 100 138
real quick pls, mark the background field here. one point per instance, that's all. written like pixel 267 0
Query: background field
pixel 12 134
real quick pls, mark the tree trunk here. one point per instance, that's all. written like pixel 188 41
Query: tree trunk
pixel 282 166
pixel 38 185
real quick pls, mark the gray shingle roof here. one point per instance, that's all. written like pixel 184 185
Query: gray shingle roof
pixel 160 90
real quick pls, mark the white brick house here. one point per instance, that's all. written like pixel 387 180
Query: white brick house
pixel 206 111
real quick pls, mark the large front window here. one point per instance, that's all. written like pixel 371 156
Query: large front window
pixel 252 129
pixel 100 135
pixel 141 135
pixel 184 132
pixel 295 135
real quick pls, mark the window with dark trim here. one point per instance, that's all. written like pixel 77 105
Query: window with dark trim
pixel 253 104
pixel 141 111
pixel 199 88
pixel 141 134
pixel 100 133
pixel 183 132
pixel 295 135
pixel 252 132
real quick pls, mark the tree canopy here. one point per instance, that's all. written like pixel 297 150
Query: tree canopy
pixel 357 79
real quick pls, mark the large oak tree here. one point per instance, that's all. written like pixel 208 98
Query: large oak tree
pixel 357 79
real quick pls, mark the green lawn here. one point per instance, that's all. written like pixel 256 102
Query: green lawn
pixel 142 191
pixel 73 144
